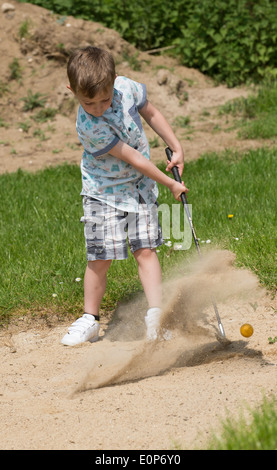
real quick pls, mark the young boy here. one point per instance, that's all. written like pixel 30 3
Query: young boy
pixel 118 183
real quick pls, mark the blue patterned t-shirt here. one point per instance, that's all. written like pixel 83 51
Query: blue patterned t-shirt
pixel 105 177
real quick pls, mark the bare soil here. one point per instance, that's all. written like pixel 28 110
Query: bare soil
pixel 122 393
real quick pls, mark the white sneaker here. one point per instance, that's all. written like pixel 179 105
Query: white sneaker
pixel 86 328
pixel 153 330
pixel 152 321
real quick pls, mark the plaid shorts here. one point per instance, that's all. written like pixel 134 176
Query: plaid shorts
pixel 108 231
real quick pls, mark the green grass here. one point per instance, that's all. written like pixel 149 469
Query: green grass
pixel 257 114
pixel 243 186
pixel 42 245
pixel 41 241
pixel 258 432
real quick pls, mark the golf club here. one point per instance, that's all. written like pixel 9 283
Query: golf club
pixel 221 337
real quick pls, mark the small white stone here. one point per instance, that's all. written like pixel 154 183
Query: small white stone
pixel 7 7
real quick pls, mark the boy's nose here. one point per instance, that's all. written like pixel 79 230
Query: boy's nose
pixel 99 110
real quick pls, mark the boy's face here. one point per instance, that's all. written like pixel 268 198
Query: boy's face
pixel 98 104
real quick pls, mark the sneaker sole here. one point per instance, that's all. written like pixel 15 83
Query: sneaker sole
pixel 92 340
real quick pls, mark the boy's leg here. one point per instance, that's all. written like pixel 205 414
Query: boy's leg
pixel 148 236
pixel 86 328
pixel 150 275
pixel 151 278
pixel 105 240
pixel 95 285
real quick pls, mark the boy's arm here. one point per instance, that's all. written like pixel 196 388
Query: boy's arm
pixel 128 154
pixel 159 124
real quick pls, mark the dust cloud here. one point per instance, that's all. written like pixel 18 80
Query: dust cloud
pixel 213 276
pixel 124 355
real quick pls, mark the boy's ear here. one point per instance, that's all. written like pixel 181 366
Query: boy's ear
pixel 69 87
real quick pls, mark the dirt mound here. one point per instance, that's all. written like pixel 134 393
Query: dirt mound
pixel 34 47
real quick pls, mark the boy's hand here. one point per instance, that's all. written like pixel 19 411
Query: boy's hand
pixel 129 155
pixel 177 189
pixel 177 159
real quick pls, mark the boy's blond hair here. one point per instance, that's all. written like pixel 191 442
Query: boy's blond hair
pixel 90 70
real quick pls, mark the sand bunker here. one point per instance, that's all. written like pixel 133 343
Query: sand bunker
pixel 122 393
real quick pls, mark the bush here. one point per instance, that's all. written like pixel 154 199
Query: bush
pixel 230 40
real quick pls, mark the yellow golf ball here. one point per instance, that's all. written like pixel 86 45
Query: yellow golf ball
pixel 246 330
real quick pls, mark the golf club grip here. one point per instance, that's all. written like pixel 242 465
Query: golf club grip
pixel 174 170
pixel 176 174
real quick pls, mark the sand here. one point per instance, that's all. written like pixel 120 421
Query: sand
pixel 123 393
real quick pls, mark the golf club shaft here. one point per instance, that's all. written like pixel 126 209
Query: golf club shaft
pixel 177 177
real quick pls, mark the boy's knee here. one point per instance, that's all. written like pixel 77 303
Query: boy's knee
pixel 144 254
pixel 99 265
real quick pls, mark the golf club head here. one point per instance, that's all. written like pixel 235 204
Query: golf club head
pixel 221 329
pixel 222 337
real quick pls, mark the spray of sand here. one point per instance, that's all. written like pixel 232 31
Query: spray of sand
pixel 124 355
pixel 211 276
